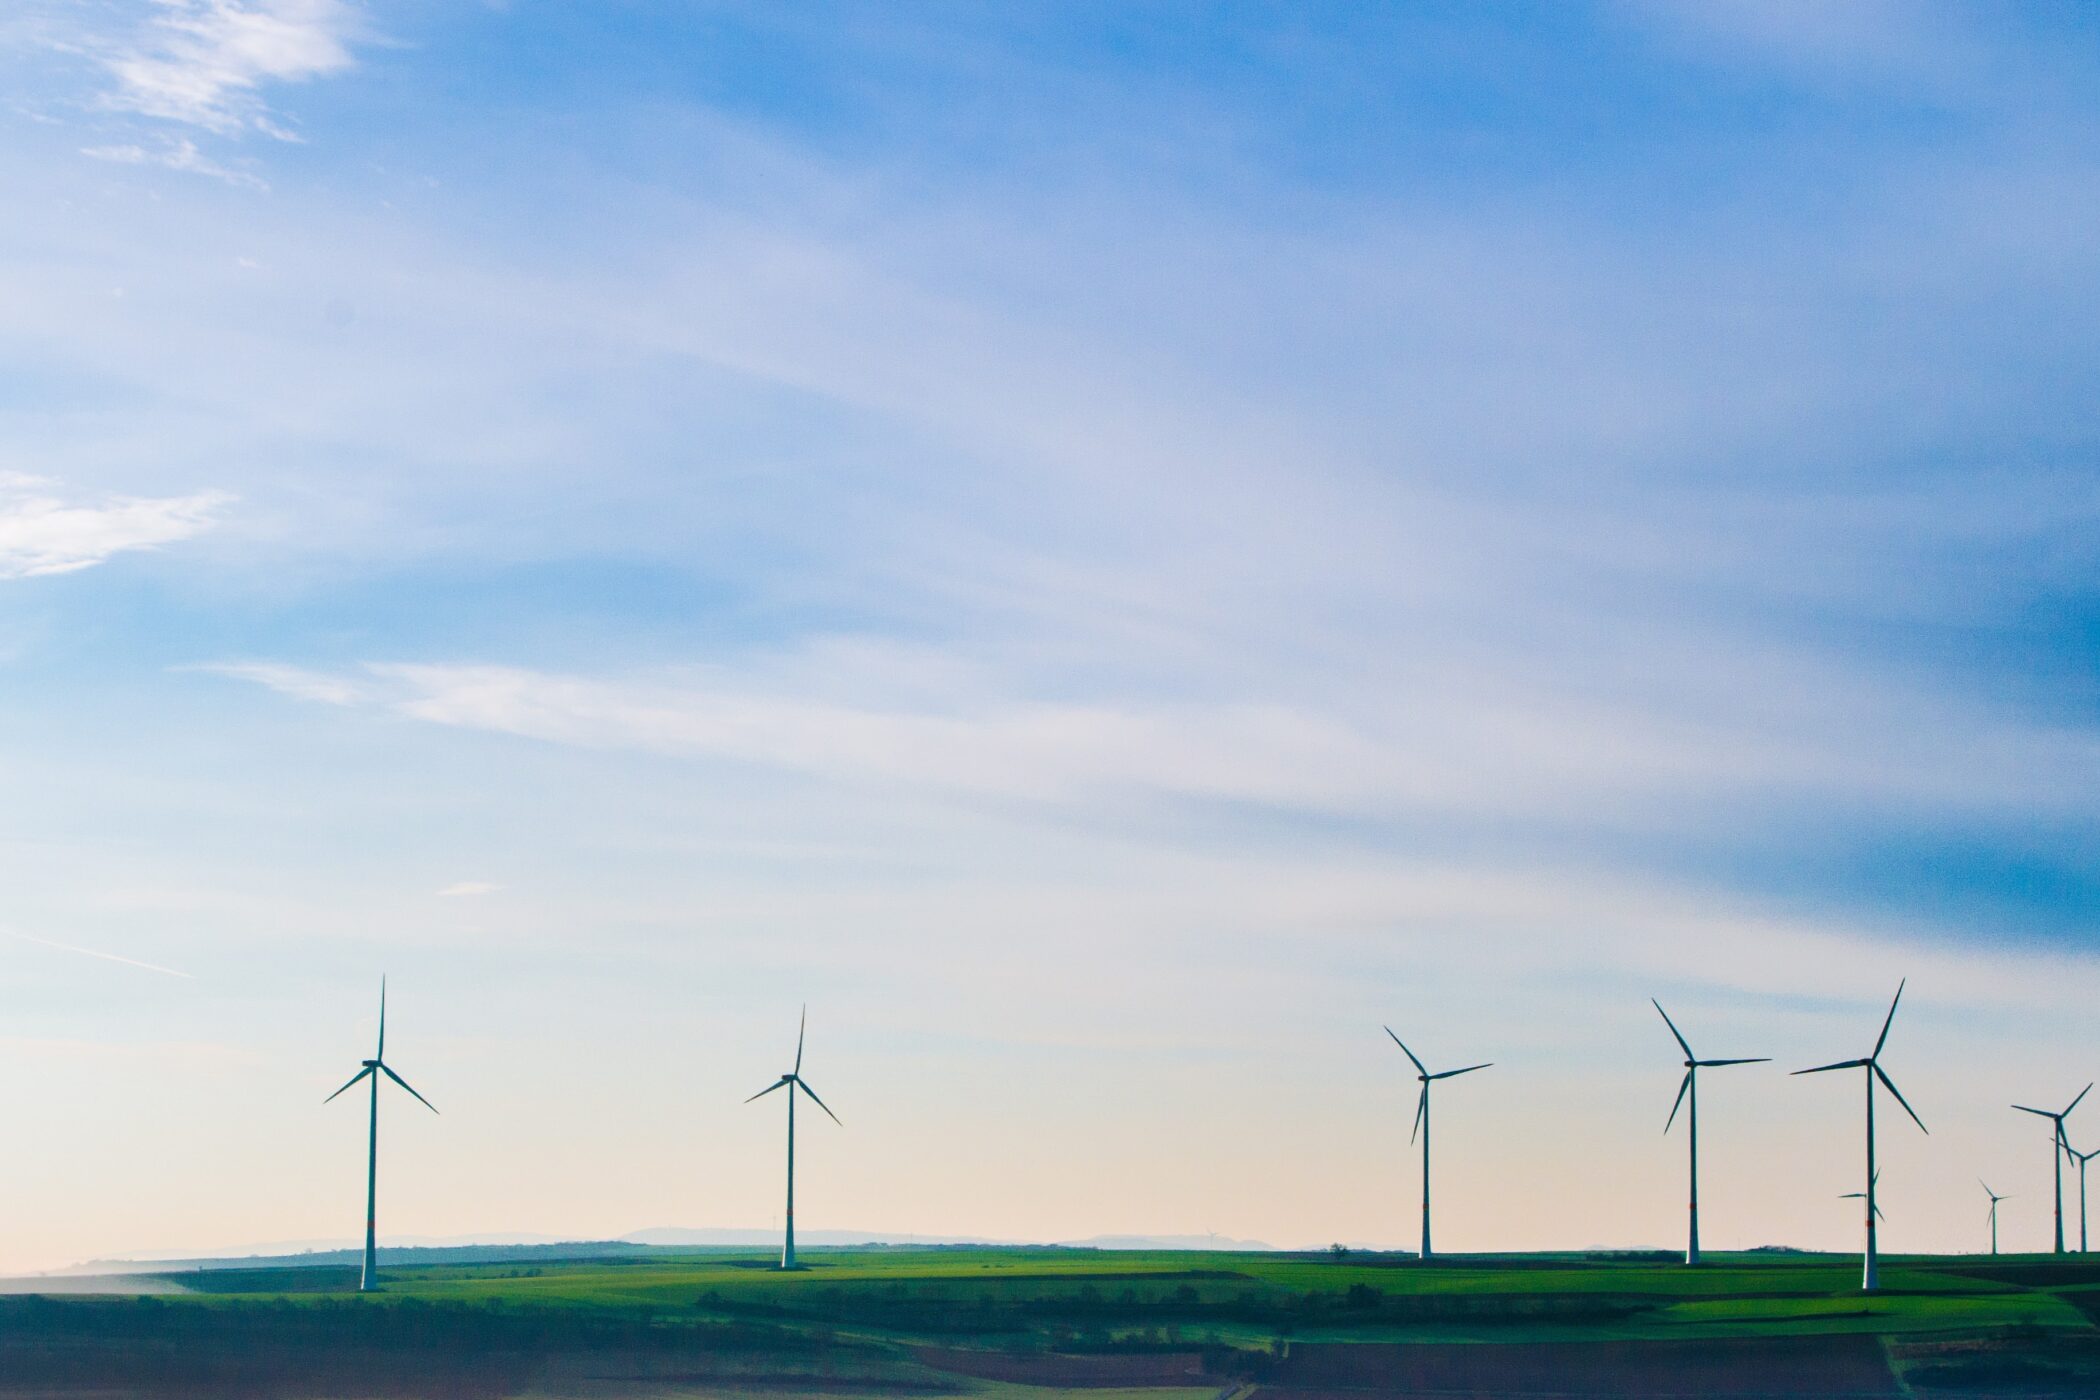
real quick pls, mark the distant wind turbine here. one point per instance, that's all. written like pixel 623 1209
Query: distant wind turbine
pixel 2081 1158
pixel 791 1081
pixel 1421 1127
pixel 1995 1198
pixel 2058 1146
pixel 373 1068
pixel 1861 1195
pixel 1870 1273
pixel 1690 1089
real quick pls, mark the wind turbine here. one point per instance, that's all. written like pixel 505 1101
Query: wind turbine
pixel 1690 1088
pixel 791 1081
pixel 1995 1198
pixel 1859 1195
pixel 1421 1127
pixel 2081 1158
pixel 373 1068
pixel 1870 1274
pixel 2058 1145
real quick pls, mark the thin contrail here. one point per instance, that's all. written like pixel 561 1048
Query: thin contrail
pixel 106 957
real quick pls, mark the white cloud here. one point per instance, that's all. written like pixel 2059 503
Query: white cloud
pixel 466 889
pixel 43 533
pixel 205 63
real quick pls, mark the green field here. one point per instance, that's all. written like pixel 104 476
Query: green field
pixel 1011 1324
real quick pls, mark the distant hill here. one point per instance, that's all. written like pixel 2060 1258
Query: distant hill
pixel 730 1238
pixel 640 1243
pixel 340 1258
pixel 1167 1242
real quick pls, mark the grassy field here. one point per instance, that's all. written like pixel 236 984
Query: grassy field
pixel 1018 1324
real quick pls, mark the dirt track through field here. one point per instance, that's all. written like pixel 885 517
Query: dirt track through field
pixel 1831 1368
pixel 1113 1371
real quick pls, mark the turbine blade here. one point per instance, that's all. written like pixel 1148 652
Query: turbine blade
pixel 767 1090
pixel 1889 1022
pixel 380 1054
pixel 1454 1073
pixel 2037 1112
pixel 1841 1064
pixel 346 1088
pixel 1421 1107
pixel 2075 1102
pixel 1673 1029
pixel 1682 1089
pixel 1758 1060
pixel 819 1102
pixel 1890 1085
pixel 406 1085
pixel 1420 1068
pixel 801 1031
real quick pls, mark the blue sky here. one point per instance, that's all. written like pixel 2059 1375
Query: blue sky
pixel 1110 549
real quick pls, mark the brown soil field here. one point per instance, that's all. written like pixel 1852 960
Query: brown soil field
pixel 1826 1367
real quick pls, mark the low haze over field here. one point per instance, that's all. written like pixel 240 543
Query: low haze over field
pixel 1109 550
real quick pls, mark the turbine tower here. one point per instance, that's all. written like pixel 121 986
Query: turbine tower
pixel 1870 1272
pixel 1995 1198
pixel 2058 1145
pixel 2081 1158
pixel 1421 1127
pixel 791 1081
pixel 373 1069
pixel 1690 1089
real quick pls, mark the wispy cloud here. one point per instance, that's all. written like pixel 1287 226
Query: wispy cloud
pixel 41 532
pixel 467 889
pixel 299 682
pixel 207 63
pixel 181 155
pixel 1451 743
pixel 105 957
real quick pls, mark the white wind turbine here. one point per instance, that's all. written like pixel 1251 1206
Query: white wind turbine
pixel 2058 1146
pixel 373 1069
pixel 1422 1123
pixel 1690 1089
pixel 791 1081
pixel 2081 1158
pixel 1870 1273
pixel 1995 1198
